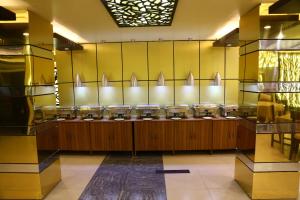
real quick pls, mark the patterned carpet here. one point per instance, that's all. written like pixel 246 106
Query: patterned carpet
pixel 122 177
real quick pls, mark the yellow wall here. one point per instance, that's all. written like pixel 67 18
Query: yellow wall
pixel 175 59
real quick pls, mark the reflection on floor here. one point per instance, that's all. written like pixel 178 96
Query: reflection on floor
pixel 127 178
pixel 76 171
pixel 211 177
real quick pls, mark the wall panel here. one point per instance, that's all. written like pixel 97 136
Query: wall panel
pixel 111 95
pixel 135 60
pixel 211 60
pixel 147 60
pixel 64 66
pixel 84 63
pixel 163 95
pixel 186 58
pixel 109 57
pixel 160 55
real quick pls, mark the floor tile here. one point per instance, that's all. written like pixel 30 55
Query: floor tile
pixel 191 194
pixel 228 194
pixel 76 172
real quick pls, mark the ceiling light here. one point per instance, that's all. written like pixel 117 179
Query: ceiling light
pixel 267 27
pixel 161 79
pixel 190 80
pixel 129 13
pixel 78 82
pixel 26 34
pixel 133 81
pixel 104 82
pixel 217 81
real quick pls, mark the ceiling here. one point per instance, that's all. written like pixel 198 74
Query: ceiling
pixel 193 19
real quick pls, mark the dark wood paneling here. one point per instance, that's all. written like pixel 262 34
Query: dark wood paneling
pixel 224 134
pixel 154 135
pixel 246 135
pixel 111 136
pixel 47 136
pixel 193 135
pixel 74 136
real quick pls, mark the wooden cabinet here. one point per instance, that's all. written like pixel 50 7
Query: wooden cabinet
pixel 154 135
pixel 111 135
pixel 47 136
pixel 193 135
pixel 224 134
pixel 74 135
pixel 246 135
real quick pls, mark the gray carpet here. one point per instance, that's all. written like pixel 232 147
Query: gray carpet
pixel 122 177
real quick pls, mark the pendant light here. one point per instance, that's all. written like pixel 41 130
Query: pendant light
pixel 78 82
pixel 161 79
pixel 190 80
pixel 104 81
pixel 133 81
pixel 217 81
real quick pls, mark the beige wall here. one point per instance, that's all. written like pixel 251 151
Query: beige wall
pixel 147 59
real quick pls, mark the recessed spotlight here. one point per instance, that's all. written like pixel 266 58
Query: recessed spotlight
pixel 26 34
pixel 267 27
pixel 229 45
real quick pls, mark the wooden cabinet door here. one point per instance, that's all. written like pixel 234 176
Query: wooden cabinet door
pixel 193 135
pixel 100 136
pixel 111 136
pixel 246 135
pixel 224 134
pixel 121 137
pixel 154 135
pixel 47 136
pixel 74 136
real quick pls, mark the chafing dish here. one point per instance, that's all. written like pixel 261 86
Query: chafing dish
pixel 119 112
pixel 177 112
pixel 66 112
pixel 229 110
pixel 49 112
pixel 205 110
pixel 90 112
pixel 148 111
pixel 248 110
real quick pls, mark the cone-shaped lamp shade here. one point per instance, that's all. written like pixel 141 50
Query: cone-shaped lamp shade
pixel 161 79
pixel 78 82
pixel 133 81
pixel 190 79
pixel 104 81
pixel 217 79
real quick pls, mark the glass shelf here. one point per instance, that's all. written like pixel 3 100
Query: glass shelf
pixel 288 127
pixel 279 45
pixel 270 87
pixel 272 127
pixel 21 91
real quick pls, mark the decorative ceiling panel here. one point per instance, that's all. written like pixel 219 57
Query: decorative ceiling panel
pixel 133 13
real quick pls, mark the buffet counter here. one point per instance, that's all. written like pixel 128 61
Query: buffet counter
pixel 147 135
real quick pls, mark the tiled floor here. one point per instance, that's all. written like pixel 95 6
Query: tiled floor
pixel 77 170
pixel 211 177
